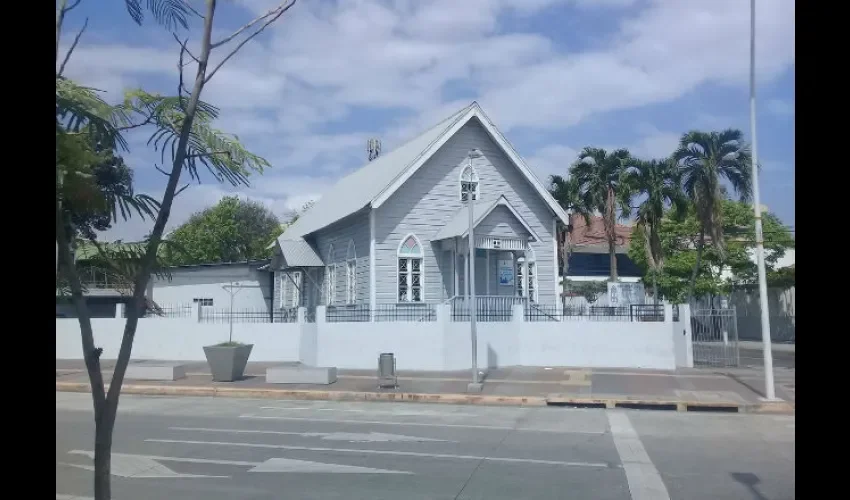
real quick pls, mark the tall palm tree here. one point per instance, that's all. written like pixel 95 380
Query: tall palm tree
pixel 705 158
pixel 565 192
pixel 600 176
pixel 659 181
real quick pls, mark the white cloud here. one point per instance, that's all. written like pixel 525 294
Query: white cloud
pixel 654 143
pixel 324 60
pixel 552 159
pixel 780 107
pixel 280 194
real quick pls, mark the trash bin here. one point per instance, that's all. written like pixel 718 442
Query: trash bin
pixel 387 377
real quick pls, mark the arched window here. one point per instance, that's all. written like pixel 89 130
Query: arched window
pixel 526 275
pixel 410 270
pixel 330 277
pixel 351 274
pixel 468 183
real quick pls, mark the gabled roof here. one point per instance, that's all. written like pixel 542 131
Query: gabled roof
pixel 376 181
pixel 458 225
pixel 357 190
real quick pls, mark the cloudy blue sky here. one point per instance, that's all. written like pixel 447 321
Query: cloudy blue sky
pixel 554 75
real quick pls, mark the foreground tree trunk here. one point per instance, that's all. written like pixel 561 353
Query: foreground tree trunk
pixel 610 223
pixel 700 246
pixel 103 455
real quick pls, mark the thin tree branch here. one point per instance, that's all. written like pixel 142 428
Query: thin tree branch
pixel 180 190
pixel 70 7
pixel 238 32
pixel 73 46
pixel 184 47
pixel 146 264
pixel 163 172
pixel 276 14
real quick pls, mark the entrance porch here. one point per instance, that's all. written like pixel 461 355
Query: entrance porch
pixel 505 264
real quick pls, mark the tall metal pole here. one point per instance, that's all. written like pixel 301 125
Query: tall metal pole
pixel 231 313
pixel 765 317
pixel 471 280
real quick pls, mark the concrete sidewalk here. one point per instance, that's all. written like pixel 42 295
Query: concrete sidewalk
pixel 683 390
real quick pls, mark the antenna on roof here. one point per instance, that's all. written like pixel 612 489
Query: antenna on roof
pixel 373 148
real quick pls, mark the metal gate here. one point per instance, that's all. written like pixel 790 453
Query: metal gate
pixel 715 337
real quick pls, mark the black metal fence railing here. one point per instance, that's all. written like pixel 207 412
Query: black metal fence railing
pixel 636 312
pixel 285 315
pixel 354 313
pixel 675 312
pixel 381 313
pixel 169 311
pixel 647 312
pixel 406 312
pixel 209 315
pixel 487 308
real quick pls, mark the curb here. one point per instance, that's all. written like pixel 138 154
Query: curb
pixel 640 403
pixel 230 392
pixel 621 402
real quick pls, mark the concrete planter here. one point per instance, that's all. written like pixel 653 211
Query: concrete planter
pixel 227 363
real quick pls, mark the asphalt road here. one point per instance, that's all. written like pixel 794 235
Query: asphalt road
pixel 200 448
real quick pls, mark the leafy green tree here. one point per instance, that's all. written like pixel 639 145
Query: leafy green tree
pixel 706 158
pixel 658 182
pixel 232 230
pixel 106 180
pixel 181 128
pixel 600 179
pixel 679 234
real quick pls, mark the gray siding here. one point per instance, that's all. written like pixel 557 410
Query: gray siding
pixel 501 223
pixel 353 228
pixel 430 198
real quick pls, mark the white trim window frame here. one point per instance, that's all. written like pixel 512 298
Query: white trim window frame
pixel 468 182
pixel 410 271
pixel 290 289
pixel 526 276
pixel 330 278
pixel 351 274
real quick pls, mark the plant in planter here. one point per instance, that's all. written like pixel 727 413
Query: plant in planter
pixel 227 360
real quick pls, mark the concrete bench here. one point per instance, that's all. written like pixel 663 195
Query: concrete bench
pixel 300 374
pixel 149 370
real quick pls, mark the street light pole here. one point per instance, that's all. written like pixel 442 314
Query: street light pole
pixel 765 317
pixel 472 303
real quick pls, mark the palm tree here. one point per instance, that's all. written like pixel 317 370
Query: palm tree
pixel 704 159
pixel 565 192
pixel 599 177
pixel 659 181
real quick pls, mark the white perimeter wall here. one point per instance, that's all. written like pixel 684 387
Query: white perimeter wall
pixel 438 345
pixel 179 339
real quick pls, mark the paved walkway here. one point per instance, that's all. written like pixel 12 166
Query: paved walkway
pixel 744 386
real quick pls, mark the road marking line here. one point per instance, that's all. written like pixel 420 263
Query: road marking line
pixel 385 452
pixel 644 480
pixel 419 424
pixel 371 437
pixel 135 466
pixel 271 465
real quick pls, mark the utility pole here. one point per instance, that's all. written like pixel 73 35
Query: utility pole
pixel 475 386
pixel 765 317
